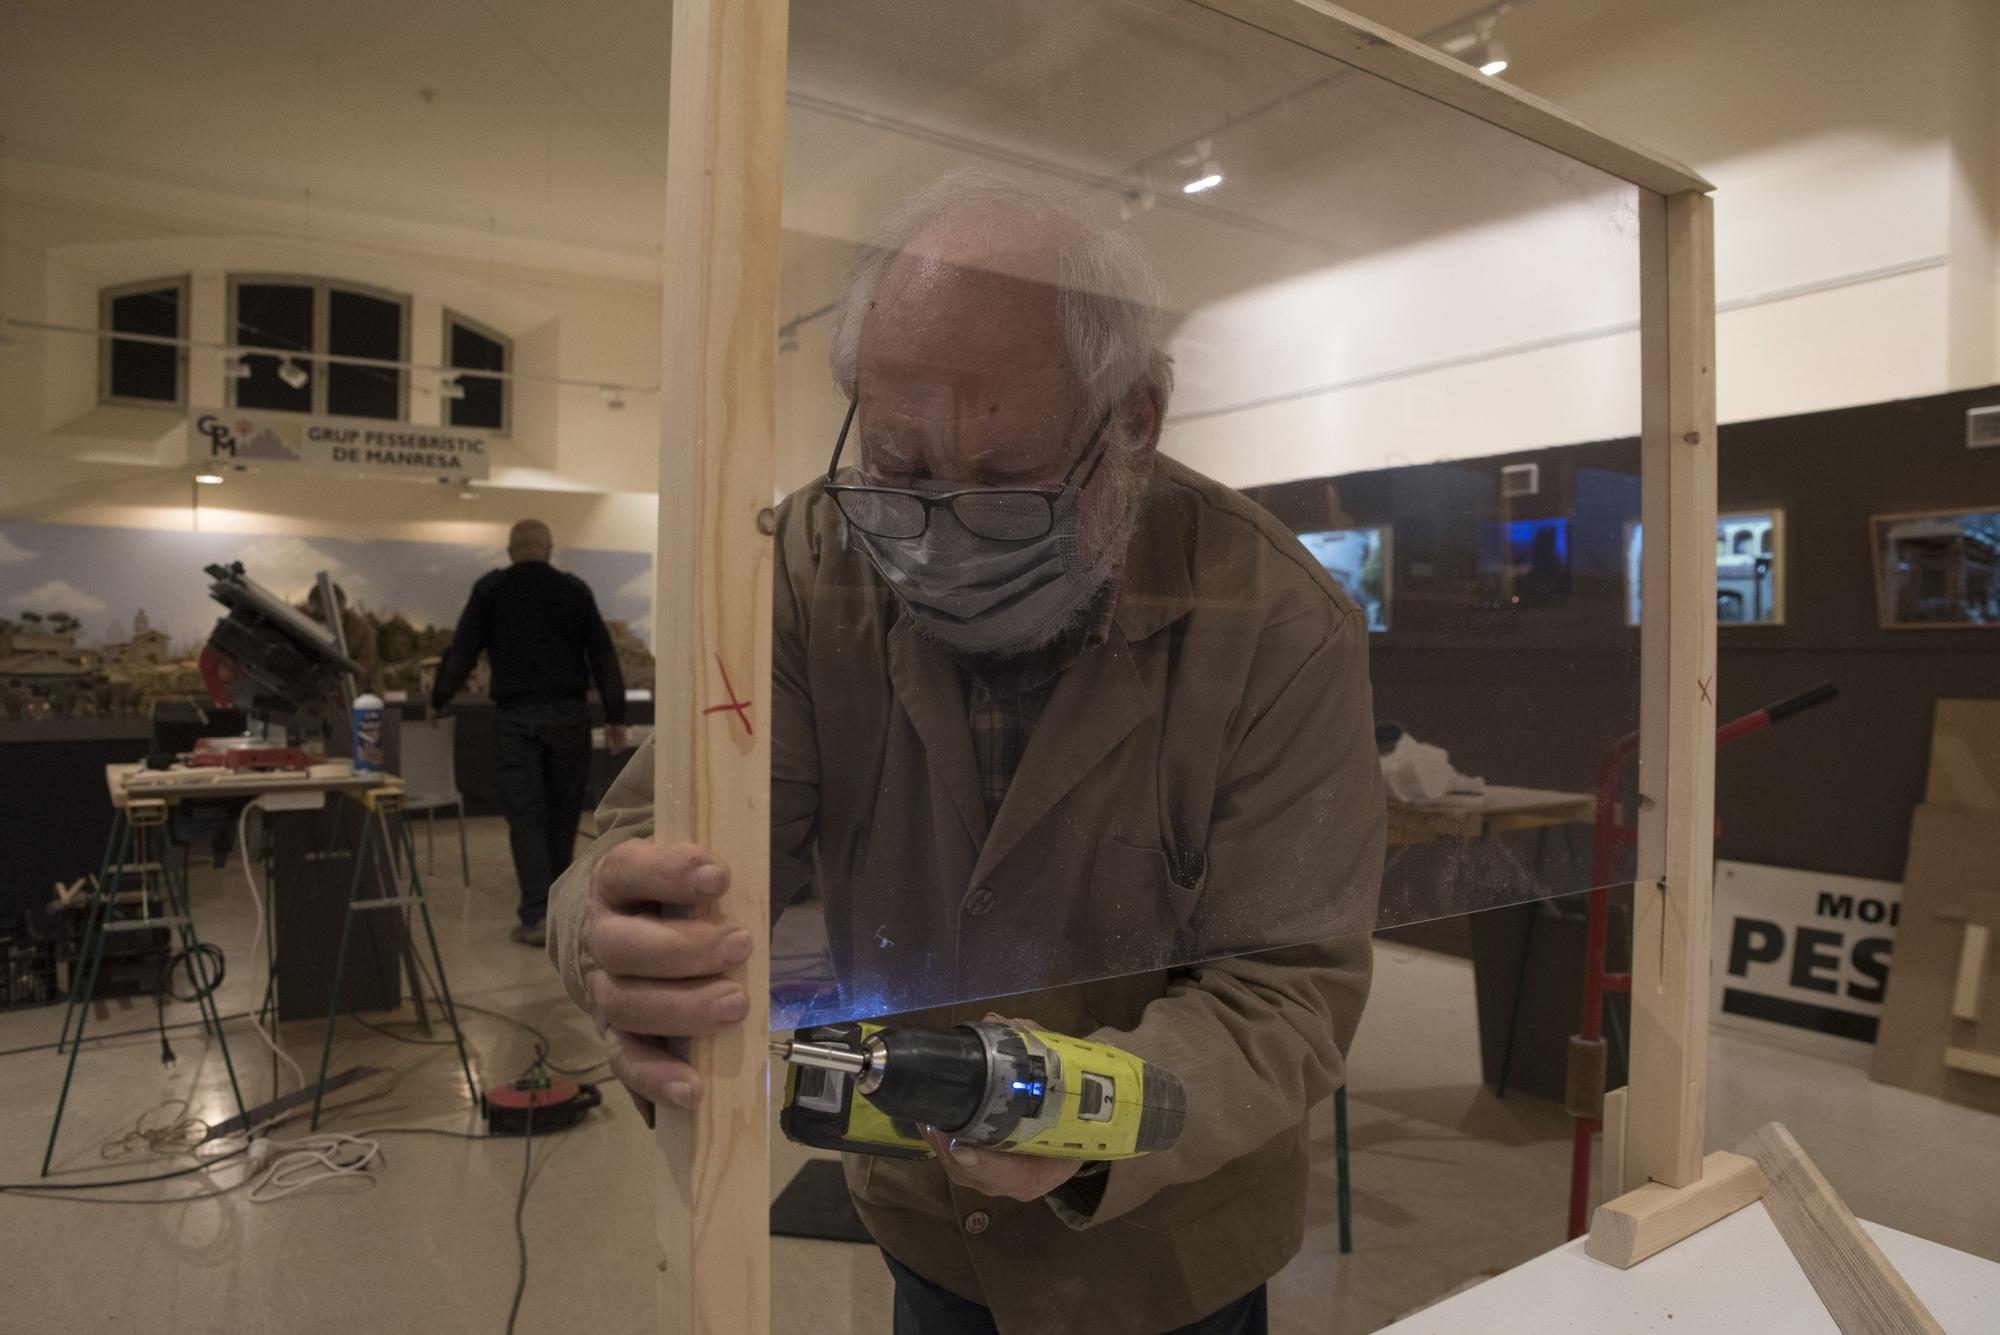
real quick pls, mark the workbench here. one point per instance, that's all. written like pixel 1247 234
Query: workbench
pixel 1735 1275
pixel 306 880
pixel 1497 810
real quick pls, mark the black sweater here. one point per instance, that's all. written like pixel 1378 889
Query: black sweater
pixel 541 630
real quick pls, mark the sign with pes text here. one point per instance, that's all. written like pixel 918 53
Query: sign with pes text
pixel 1802 953
pixel 356 446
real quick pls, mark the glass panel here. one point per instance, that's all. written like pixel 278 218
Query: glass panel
pixel 359 325
pixel 146 370
pixel 275 315
pixel 1333 473
pixel 484 403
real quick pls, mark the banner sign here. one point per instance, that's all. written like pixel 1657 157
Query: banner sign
pixel 1804 951
pixel 357 446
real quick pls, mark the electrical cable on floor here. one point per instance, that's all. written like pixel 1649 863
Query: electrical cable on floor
pixel 181 1135
pixel 122 1033
pixel 257 941
pixel 520 1209
pixel 309 1161
pixel 200 988
pixel 54 1187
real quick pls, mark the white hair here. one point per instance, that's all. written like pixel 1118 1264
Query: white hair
pixel 1111 299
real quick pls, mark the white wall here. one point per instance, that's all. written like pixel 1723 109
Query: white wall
pixel 593 319
pixel 1454 296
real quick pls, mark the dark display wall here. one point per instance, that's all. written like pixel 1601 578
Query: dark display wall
pixel 1831 791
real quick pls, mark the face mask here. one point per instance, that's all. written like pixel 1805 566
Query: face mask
pixel 975 595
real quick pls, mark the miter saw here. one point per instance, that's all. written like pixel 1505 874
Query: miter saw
pixel 269 659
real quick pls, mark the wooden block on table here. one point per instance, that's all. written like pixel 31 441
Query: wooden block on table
pixel 1966 1059
pixel 1611 1166
pixel 1971 972
pixel 1640 1223
pixel 1861 1290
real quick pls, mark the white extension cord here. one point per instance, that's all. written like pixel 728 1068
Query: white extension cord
pixel 257 942
pixel 305 1163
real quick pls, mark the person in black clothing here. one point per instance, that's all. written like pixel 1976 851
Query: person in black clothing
pixel 540 629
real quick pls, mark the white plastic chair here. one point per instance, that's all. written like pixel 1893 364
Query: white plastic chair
pixel 430 782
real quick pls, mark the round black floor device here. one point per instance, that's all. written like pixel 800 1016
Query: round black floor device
pixel 556 1106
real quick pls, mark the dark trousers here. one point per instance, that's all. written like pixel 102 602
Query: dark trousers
pixel 544 752
pixel 922 1308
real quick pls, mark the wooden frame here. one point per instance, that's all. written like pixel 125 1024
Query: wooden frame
pixel 718 422
pixel 718 426
pixel 1876 526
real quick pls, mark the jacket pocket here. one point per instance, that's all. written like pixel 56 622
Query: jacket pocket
pixel 1139 913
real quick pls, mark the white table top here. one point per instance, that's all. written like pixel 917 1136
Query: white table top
pixel 1736 1275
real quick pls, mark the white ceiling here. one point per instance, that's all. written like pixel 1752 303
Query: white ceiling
pixel 545 119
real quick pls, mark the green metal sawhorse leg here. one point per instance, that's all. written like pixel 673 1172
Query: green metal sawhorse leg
pixel 385 817
pixel 137 829
pixel 114 856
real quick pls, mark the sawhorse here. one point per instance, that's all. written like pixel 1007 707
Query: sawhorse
pixel 138 845
pixel 385 820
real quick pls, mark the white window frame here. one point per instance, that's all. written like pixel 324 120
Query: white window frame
pixel 105 296
pixel 484 330
pixel 322 289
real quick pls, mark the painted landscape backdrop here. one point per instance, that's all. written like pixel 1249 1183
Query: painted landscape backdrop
pixel 100 622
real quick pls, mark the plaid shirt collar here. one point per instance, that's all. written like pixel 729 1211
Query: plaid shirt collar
pixel 1004 697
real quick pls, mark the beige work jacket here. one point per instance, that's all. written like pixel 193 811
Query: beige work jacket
pixel 1203 782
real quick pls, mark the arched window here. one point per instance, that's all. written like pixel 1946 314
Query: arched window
pixel 318 318
pixel 487 400
pixel 137 372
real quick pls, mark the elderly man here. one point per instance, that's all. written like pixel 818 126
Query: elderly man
pixel 1051 713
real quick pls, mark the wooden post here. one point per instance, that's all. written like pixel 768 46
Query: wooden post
pixel 1671 901
pixel 718 422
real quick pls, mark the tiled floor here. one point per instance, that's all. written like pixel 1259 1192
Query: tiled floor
pixel 1450 1184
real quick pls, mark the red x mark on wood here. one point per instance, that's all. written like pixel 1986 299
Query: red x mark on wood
pixel 1703 684
pixel 740 708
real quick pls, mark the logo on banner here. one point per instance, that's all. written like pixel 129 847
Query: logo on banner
pixel 245 439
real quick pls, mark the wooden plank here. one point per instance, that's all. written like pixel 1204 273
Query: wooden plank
pixel 1641 1223
pixel 1671 902
pixel 1971 972
pixel 1368 46
pixel 1861 1290
pixel 1611 1168
pixel 1978 1063
pixel 718 423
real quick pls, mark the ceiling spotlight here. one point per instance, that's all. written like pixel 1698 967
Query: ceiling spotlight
pixel 1208 180
pixel 614 398
pixel 1133 202
pixel 293 374
pixel 236 366
pixel 1493 58
pixel 449 387
pixel 209 479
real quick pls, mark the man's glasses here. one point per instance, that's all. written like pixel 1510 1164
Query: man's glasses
pixel 1003 514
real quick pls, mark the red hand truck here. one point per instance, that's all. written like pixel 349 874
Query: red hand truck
pixel 1587 1048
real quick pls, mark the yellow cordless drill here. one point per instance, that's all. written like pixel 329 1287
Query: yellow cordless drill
pixel 990 1085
